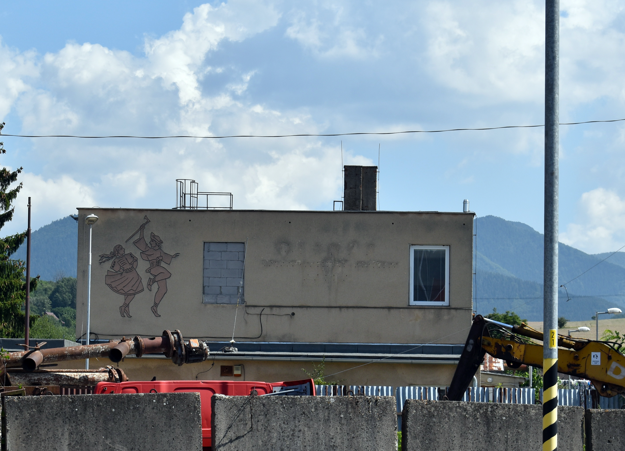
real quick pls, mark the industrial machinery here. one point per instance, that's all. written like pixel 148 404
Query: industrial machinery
pixel 22 368
pixel 598 361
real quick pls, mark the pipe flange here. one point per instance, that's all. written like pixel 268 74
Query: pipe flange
pixel 170 349
pixel 139 346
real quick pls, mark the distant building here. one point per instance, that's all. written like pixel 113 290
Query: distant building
pixel 297 289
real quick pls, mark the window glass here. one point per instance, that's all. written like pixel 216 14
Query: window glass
pixel 429 275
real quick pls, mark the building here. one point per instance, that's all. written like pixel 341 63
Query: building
pixel 373 297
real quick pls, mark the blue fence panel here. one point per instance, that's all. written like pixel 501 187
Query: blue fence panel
pixel 514 395
pixel 354 390
pixel 479 394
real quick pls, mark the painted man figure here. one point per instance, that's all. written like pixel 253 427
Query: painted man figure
pixel 155 255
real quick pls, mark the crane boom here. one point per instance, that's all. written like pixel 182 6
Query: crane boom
pixel 597 361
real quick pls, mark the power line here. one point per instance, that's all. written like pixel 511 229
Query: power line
pixel 596 264
pixel 309 135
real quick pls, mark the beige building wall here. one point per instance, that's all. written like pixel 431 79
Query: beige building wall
pixel 349 373
pixel 312 277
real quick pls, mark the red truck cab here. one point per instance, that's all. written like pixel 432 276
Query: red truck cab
pixel 207 389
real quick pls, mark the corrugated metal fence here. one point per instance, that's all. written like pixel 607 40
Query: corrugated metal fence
pixel 583 397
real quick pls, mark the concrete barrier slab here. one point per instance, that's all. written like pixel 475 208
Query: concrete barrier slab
pixel 304 423
pixel 604 430
pixel 464 426
pixel 164 421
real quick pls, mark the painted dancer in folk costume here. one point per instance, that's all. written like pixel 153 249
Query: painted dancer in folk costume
pixel 123 278
pixel 155 255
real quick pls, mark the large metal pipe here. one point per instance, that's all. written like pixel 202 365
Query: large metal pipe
pixel 32 361
pixel 119 352
pixel 83 378
pixel 172 345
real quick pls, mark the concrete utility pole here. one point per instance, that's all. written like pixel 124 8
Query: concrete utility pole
pixel 550 318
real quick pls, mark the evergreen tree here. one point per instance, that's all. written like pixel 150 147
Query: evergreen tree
pixel 12 281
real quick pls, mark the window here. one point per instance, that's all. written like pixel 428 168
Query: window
pixel 429 275
pixel 223 273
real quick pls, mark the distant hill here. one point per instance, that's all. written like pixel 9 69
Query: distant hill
pixel 616 258
pixel 54 250
pixel 509 274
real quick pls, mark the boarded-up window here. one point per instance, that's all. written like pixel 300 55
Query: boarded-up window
pixel 223 273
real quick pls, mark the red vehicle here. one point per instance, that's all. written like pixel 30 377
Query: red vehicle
pixel 207 389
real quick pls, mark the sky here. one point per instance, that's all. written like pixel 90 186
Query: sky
pixel 268 67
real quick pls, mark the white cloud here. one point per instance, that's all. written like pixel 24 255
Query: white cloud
pixel 496 51
pixel 600 228
pixel 176 57
pixel 332 30
pixel 51 199
pixel 16 69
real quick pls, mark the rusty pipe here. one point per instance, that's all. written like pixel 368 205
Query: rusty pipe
pixel 171 344
pixel 137 346
pixel 119 352
pixel 32 360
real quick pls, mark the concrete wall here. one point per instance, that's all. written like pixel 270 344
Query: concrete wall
pixel 319 276
pixel 458 426
pixel 168 421
pixel 604 430
pixel 304 423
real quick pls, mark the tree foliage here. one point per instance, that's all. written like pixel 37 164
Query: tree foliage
pixel 617 339
pixel 47 327
pixel 64 293
pixel 12 283
pixel 507 318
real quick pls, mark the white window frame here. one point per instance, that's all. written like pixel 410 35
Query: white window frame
pixel 429 303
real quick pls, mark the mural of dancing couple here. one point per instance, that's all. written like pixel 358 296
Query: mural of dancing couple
pixel 123 277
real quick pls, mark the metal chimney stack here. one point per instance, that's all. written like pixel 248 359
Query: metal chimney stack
pixel 360 190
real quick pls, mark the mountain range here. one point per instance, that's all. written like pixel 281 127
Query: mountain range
pixel 509 274
pixel 508 266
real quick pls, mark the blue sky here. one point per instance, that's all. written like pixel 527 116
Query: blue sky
pixel 278 67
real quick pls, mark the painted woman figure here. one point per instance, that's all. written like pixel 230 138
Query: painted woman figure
pixel 123 278
pixel 155 255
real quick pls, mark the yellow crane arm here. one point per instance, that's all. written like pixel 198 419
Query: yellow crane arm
pixel 596 361
pixel 592 360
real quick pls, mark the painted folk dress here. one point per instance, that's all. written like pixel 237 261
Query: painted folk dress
pixel 123 278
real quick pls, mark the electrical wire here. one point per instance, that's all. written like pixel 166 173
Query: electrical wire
pixel 311 135
pixel 593 266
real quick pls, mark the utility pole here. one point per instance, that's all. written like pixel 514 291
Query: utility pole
pixel 27 325
pixel 550 313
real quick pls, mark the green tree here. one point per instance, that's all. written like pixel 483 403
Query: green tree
pixel 67 315
pixel 12 283
pixel 318 374
pixel 508 318
pixel 40 298
pixel 47 327
pixel 562 322
pixel 616 338
pixel 64 293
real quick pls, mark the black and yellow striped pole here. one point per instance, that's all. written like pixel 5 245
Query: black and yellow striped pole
pixel 550 318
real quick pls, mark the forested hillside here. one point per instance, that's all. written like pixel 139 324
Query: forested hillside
pixel 55 304
pixel 509 274
pixel 53 250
